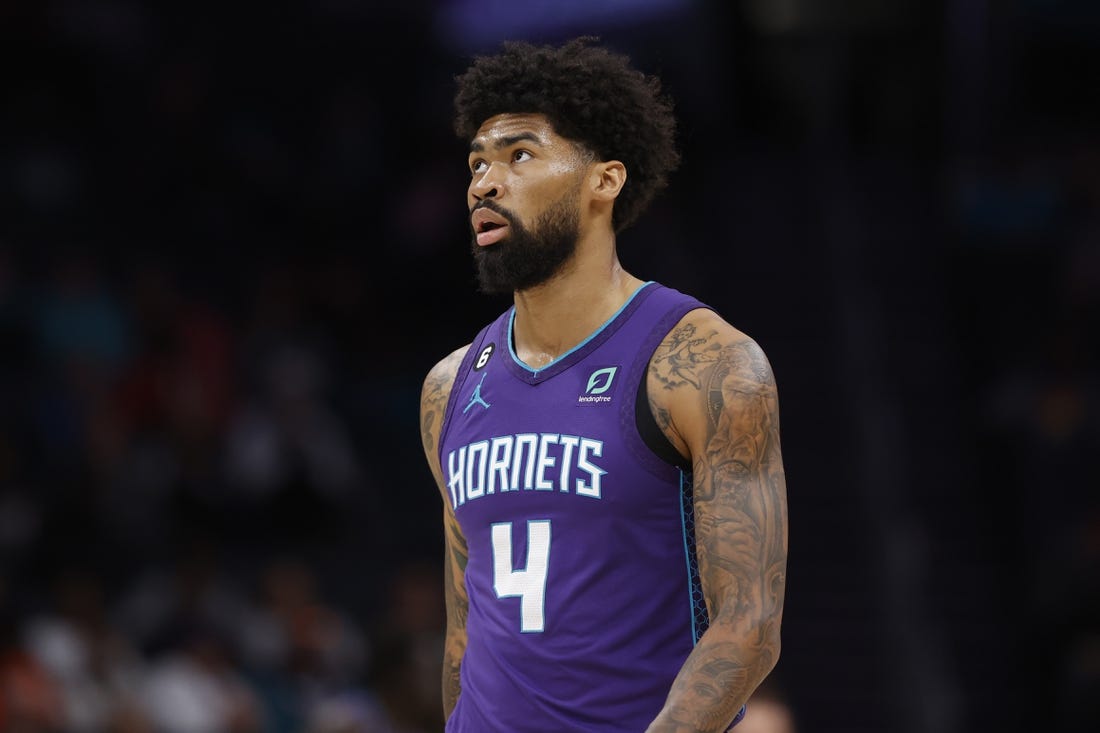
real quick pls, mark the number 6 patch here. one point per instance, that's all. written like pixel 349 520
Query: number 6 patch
pixel 483 358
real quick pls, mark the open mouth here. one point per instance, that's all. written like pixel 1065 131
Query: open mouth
pixel 491 234
pixel 489 227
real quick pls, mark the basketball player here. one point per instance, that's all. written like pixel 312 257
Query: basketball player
pixel 607 449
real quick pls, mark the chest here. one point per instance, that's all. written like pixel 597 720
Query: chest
pixel 558 438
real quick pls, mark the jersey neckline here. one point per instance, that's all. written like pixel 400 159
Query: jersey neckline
pixel 581 350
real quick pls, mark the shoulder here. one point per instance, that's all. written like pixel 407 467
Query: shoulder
pixel 434 395
pixel 700 341
pixel 702 368
pixel 437 384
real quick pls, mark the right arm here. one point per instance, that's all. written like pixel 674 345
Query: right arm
pixel 433 405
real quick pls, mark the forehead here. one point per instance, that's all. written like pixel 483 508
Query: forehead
pixel 499 130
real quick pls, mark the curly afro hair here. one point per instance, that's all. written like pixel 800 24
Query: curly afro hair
pixel 592 97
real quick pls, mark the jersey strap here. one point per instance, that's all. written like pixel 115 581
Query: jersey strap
pixel 474 352
pixel 669 306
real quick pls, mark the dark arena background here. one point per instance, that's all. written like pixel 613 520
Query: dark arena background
pixel 233 241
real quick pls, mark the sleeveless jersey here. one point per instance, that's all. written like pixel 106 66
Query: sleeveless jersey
pixel 584 596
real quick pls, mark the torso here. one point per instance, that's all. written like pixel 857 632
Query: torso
pixel 583 598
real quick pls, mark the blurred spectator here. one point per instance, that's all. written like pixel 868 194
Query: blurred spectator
pixel 767 711
pixel 293 640
pixel 412 632
pixel 195 688
pixel 392 699
pixel 97 671
pixel 288 430
pixel 83 340
pixel 395 702
pixel 80 321
pixel 192 588
pixel 293 628
pixel 289 457
pixel 30 700
pixel 155 448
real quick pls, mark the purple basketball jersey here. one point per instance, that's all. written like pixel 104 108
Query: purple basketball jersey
pixel 584 597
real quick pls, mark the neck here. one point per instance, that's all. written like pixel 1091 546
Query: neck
pixel 555 316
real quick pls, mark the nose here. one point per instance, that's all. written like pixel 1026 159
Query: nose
pixel 487 185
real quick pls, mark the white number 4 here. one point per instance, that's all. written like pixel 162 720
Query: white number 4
pixel 528 584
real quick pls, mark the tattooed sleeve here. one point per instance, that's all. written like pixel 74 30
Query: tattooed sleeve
pixel 713 392
pixel 433 403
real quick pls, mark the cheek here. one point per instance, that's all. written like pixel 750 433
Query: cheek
pixel 535 197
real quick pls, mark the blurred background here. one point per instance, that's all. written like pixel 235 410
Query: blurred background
pixel 233 241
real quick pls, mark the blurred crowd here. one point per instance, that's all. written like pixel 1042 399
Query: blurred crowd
pixel 186 541
pixel 207 427
pixel 1034 225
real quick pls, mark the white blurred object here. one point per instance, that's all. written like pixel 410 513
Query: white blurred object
pixel 184 695
pixel 766 716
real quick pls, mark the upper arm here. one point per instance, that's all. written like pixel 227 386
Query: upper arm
pixel 433 406
pixel 714 394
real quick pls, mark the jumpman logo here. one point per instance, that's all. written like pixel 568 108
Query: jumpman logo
pixel 476 398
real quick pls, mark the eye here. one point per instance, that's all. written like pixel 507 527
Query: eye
pixel 477 166
pixel 520 155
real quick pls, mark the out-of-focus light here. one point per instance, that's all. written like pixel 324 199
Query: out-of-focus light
pixel 798 16
pixel 475 25
pixel 775 16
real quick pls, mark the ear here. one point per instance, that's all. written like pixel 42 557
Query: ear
pixel 608 178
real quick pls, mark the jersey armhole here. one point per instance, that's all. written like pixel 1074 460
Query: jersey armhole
pixel 647 441
pixel 651 433
pixel 463 369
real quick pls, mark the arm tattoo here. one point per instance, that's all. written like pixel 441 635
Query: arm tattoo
pixel 454 570
pixel 741 522
pixel 433 405
pixel 679 358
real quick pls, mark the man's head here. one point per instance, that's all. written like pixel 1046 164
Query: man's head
pixel 547 126
pixel 525 200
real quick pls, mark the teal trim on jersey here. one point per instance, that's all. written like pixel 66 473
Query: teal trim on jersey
pixel 581 345
pixel 687 562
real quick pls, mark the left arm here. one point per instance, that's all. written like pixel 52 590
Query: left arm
pixel 713 394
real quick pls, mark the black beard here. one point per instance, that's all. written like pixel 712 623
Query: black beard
pixel 528 257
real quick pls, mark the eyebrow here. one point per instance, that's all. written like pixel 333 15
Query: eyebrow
pixel 476 147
